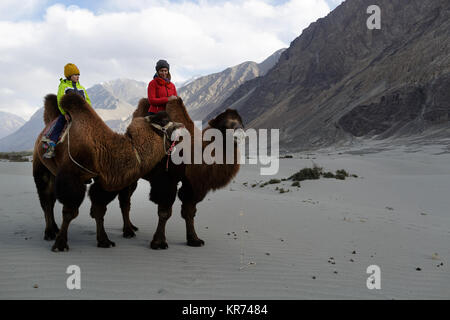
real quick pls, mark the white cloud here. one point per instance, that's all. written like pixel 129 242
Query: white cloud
pixel 127 38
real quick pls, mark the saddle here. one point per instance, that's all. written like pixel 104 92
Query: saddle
pixel 49 129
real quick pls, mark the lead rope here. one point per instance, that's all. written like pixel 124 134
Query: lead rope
pixel 70 155
pixel 169 152
pixel 172 146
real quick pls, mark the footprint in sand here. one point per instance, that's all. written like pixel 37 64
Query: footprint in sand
pixel 163 291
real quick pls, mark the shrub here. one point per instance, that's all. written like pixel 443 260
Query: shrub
pixel 307 174
pixel 273 181
pixel 340 177
pixel 296 184
pixel 342 172
pixel 328 175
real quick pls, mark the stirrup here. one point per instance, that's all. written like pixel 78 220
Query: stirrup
pixel 50 153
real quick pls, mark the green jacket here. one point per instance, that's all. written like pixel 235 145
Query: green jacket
pixel 66 86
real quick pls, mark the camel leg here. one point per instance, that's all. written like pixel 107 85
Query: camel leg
pixel 70 191
pixel 188 210
pixel 163 192
pixel 125 204
pixel 100 199
pixel 61 238
pixel 159 238
pixel 45 184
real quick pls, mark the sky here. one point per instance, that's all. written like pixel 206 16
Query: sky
pixel 111 39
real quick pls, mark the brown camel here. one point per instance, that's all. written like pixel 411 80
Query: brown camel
pixel 91 150
pixel 197 179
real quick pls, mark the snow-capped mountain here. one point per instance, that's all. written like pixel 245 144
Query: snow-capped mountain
pixel 24 138
pixel 116 100
pixel 9 123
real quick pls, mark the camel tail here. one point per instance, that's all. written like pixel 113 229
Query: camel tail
pixel 142 108
pixel 51 110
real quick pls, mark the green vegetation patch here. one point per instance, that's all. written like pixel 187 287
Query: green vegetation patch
pixel 16 156
pixel 307 174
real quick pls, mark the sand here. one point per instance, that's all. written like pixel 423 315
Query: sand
pixel 313 242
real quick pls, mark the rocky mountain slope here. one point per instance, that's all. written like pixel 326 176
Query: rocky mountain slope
pixel 339 81
pixel 204 94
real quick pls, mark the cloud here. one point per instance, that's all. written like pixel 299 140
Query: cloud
pixel 125 39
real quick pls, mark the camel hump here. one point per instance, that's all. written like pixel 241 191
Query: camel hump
pixel 74 103
pixel 51 110
pixel 142 108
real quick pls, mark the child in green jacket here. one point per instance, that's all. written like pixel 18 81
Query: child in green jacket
pixel 69 85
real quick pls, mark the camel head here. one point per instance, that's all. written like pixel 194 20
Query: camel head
pixel 229 119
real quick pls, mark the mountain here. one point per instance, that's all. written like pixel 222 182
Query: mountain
pixel 114 101
pixel 186 82
pixel 25 136
pixel 206 93
pixel 339 81
pixel 9 123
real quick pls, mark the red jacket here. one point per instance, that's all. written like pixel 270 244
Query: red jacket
pixel 158 92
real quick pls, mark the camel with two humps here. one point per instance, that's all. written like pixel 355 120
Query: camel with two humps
pixel 197 179
pixel 91 150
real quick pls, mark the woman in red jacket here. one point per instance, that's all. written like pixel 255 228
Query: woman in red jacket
pixel 160 89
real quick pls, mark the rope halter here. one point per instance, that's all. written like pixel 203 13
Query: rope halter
pixel 164 130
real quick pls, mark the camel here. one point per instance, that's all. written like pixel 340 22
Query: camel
pixel 197 179
pixel 91 150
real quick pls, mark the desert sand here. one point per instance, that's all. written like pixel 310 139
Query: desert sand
pixel 313 242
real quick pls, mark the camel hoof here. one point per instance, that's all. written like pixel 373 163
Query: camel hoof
pixel 195 242
pixel 51 232
pixel 50 235
pixel 60 246
pixel 129 233
pixel 105 244
pixel 158 244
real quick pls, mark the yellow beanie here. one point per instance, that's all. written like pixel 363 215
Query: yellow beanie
pixel 70 69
